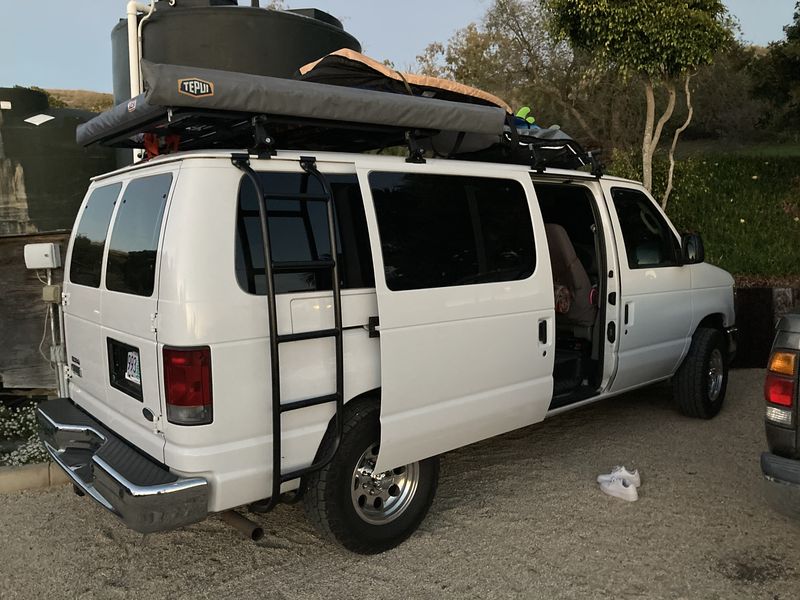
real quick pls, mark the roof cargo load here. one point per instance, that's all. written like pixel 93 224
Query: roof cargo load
pixel 197 109
pixel 349 68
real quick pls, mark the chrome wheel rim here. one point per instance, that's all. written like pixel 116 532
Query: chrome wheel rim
pixel 716 374
pixel 380 498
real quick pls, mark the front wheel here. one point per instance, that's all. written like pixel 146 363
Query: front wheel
pixel 699 386
pixel 364 511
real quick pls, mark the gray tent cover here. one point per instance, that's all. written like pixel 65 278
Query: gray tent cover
pixel 180 87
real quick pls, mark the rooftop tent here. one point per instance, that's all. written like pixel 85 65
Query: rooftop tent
pixel 212 109
pixel 348 68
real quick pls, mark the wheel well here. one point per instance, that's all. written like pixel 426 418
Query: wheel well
pixel 368 397
pixel 715 321
pixel 373 395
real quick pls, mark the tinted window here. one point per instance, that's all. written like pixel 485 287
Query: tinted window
pixel 134 241
pixel 90 239
pixel 649 241
pixel 441 231
pixel 299 232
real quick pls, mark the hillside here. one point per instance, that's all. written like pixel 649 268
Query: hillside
pixel 87 100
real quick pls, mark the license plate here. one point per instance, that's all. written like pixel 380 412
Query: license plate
pixel 132 372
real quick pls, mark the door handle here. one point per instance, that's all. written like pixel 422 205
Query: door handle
pixel 627 306
pixel 373 324
pixel 543 331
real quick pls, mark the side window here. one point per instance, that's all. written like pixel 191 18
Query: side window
pixel 649 241
pixel 442 231
pixel 299 232
pixel 90 239
pixel 132 251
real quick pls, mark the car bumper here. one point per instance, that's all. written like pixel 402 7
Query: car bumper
pixel 144 494
pixel 780 470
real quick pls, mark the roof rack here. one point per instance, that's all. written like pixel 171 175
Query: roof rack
pixel 187 108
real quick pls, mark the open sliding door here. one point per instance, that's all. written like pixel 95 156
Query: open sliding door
pixel 465 299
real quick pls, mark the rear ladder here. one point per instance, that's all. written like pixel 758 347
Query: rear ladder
pixel 308 164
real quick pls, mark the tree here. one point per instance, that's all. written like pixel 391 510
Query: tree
pixel 777 76
pixel 659 41
pixel 513 54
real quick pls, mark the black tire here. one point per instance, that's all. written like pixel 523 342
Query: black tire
pixel 328 496
pixel 691 389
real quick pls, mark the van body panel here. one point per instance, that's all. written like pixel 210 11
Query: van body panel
pixel 201 303
pixel 712 294
pixel 440 388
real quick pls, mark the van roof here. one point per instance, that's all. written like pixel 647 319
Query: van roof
pixel 347 158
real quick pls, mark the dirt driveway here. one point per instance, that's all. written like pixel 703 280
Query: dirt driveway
pixel 515 517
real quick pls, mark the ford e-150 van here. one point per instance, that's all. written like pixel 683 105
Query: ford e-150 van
pixel 241 330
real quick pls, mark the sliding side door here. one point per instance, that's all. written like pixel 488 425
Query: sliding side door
pixel 465 300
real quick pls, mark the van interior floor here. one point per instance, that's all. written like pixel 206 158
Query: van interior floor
pixel 572 373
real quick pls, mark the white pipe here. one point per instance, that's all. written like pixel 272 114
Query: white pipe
pixel 139 40
pixel 132 9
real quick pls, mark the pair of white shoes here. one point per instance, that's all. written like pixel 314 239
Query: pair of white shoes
pixel 621 483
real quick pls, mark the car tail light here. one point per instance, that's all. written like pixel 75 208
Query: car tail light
pixel 187 385
pixel 783 363
pixel 779 390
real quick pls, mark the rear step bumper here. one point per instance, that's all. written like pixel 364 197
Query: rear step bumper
pixel 144 494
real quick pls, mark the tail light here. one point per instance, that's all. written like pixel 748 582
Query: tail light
pixel 780 387
pixel 187 385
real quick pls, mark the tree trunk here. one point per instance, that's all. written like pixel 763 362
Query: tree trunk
pixel 647 154
pixel 678 132
pixel 653 136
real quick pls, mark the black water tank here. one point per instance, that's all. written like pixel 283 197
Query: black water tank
pixel 219 34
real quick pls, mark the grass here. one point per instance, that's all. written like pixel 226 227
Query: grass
pixel 745 203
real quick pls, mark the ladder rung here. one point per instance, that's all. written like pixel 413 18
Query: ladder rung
pixel 302 266
pixel 298 404
pixel 296 196
pixel 308 335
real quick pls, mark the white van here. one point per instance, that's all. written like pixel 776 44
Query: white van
pixel 444 303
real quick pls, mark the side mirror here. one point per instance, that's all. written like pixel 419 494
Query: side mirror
pixel 692 249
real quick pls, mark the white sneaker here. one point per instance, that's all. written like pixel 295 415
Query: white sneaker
pixel 622 473
pixel 620 488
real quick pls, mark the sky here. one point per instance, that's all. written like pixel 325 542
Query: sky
pixel 58 44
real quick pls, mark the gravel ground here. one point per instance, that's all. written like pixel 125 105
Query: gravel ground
pixel 518 516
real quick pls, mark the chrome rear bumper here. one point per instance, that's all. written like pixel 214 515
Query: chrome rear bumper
pixel 144 494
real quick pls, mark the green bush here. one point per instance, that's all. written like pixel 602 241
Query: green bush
pixel 747 208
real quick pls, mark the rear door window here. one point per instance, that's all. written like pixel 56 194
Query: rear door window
pixel 443 231
pixel 299 232
pixel 90 239
pixel 132 251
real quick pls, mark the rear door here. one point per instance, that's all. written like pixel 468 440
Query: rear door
pixel 111 311
pixel 129 300
pixel 82 281
pixel 465 303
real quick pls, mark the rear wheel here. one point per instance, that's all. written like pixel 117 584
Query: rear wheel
pixel 364 511
pixel 699 386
